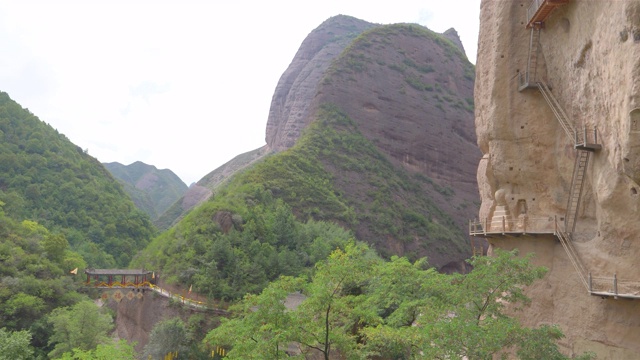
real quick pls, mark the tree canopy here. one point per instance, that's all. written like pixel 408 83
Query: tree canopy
pixel 46 178
pixel 359 306
pixel 82 326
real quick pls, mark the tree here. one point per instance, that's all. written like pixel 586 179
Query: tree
pixel 167 336
pixel 15 345
pixel 330 318
pixel 262 327
pixel 83 326
pixel 358 306
pixel 55 247
pixel 21 309
pixel 120 350
pixel 465 316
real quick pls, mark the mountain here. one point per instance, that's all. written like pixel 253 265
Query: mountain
pixel 541 91
pixel 304 72
pixel 45 178
pixel 409 91
pixel 152 190
pixel 415 103
pixel 370 128
pixel 203 189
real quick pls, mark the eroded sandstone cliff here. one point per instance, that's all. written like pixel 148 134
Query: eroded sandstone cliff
pixel 589 54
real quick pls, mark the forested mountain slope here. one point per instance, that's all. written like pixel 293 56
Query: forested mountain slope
pixel 46 178
pixel 34 278
pixel 410 92
pixel 151 189
pixel 385 149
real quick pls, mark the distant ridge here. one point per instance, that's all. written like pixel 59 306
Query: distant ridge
pixel 152 190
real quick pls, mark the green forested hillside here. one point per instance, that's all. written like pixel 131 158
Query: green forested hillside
pixel 46 178
pixel 34 278
pixel 152 190
pixel 280 216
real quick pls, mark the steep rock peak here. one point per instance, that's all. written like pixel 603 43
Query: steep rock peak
pixel 452 35
pixel 297 85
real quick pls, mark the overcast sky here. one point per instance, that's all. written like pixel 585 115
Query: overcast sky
pixel 183 85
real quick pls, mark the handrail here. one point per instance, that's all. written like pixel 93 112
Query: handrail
pixel 557 111
pixel 521 225
pixel 608 286
pixel 598 286
pixel 533 9
pixel 565 240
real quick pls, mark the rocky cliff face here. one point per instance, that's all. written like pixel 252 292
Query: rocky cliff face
pixel 589 54
pixel 289 112
pixel 206 187
pixel 411 96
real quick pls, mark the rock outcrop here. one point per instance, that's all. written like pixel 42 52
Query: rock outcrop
pixel 289 110
pixel 413 98
pixel 589 54
pixel 205 187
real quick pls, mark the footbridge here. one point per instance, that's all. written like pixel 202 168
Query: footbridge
pixel 585 142
pixel 131 284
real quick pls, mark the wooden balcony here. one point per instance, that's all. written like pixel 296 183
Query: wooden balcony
pixel 539 11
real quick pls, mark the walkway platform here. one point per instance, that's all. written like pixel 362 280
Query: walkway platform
pixel 539 11
pixel 604 287
pixel 523 226
pixel 612 287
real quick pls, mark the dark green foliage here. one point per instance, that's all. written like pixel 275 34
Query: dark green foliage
pixel 422 68
pixel 168 336
pixel 417 83
pixel 263 241
pixel 358 306
pixel 44 177
pixel 34 278
pixel 82 326
pixel 15 345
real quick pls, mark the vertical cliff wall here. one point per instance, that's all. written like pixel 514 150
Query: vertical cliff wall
pixel 589 54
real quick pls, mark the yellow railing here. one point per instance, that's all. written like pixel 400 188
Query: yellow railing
pixel 118 284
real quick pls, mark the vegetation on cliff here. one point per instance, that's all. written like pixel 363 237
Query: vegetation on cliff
pixel 280 216
pixel 46 178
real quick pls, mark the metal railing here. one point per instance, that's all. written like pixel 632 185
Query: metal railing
pixel 567 244
pixel 558 111
pixel 589 138
pixel 520 225
pixel 533 9
pixel 612 286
